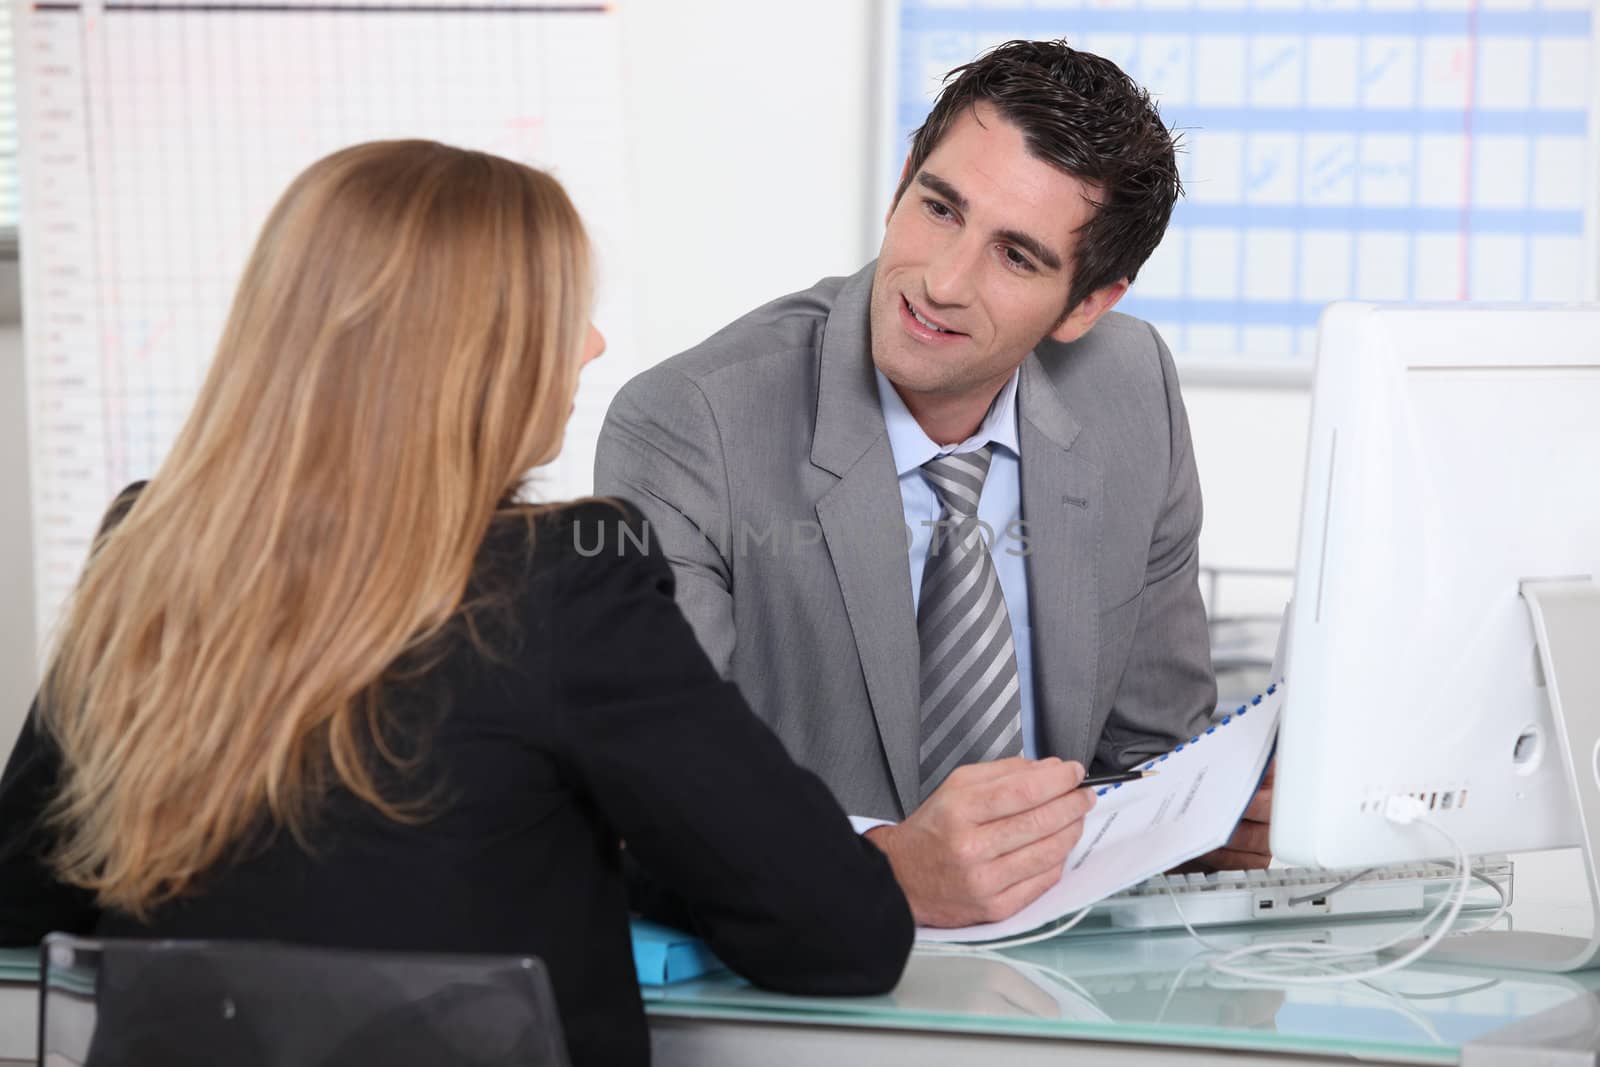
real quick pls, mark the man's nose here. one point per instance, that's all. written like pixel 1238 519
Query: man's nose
pixel 952 272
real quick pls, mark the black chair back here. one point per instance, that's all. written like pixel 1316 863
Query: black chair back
pixel 117 1003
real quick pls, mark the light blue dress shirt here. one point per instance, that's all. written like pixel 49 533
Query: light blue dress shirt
pixel 1000 506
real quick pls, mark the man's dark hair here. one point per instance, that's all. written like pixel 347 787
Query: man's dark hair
pixel 1080 113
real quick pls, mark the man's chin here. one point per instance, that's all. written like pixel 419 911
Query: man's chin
pixel 912 383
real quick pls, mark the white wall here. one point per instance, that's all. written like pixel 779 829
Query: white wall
pixel 1250 445
pixel 750 126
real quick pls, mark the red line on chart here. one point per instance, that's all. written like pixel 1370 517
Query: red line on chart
pixel 154 336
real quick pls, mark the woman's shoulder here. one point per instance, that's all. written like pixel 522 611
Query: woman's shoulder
pixel 576 529
pixel 567 541
pixel 555 531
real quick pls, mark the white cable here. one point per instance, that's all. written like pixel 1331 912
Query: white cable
pixel 1050 972
pixel 1290 954
pixel 1305 953
pixel 1327 892
pixel 1505 903
pixel 1396 1001
pixel 1330 890
pixel 1039 974
pixel 1398 1005
pixel 1010 942
pixel 1306 948
pixel 1402 810
pixel 1178 909
pixel 1177 983
pixel 1061 978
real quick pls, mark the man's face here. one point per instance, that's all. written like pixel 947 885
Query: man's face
pixel 976 264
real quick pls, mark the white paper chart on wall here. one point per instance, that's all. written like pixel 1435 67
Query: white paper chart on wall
pixel 1335 149
pixel 157 135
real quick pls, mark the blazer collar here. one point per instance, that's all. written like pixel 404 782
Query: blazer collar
pixel 849 418
pixel 1063 505
pixel 1039 403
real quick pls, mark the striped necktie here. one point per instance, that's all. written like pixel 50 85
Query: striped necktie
pixel 971 700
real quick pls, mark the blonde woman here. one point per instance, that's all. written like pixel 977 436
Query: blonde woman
pixel 323 681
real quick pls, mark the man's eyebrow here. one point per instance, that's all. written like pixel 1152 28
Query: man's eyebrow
pixel 943 188
pixel 1032 245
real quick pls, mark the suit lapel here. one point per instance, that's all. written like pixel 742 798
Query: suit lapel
pixel 864 527
pixel 1062 508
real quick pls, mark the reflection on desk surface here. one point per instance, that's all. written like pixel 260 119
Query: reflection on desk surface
pixel 1156 985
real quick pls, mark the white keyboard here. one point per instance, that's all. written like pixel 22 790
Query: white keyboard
pixel 1296 893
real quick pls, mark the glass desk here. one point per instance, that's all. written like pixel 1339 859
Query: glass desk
pixel 1147 998
pixel 1123 998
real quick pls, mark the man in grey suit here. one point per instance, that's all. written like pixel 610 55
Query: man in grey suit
pixel 939 519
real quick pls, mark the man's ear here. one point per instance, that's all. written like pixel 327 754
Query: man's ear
pixel 1088 311
pixel 905 171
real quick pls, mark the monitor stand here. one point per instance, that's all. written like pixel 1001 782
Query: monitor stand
pixel 1566 625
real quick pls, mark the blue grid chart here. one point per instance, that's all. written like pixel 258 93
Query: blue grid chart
pixel 1365 149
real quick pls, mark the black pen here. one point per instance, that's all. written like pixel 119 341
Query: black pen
pixel 1113 779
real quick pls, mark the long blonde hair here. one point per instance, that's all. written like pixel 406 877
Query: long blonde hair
pixel 402 347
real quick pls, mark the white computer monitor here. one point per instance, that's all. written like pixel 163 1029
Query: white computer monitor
pixel 1454 458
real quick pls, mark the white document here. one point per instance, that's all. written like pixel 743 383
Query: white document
pixel 1143 828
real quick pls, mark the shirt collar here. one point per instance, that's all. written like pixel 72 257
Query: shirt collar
pixel 912 447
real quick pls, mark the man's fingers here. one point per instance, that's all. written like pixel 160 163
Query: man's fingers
pixel 1045 856
pixel 971 774
pixel 1251 837
pixel 1229 859
pixel 1260 807
pixel 1026 827
pixel 1019 896
pixel 1024 789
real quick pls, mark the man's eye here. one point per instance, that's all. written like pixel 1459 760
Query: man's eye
pixel 938 210
pixel 1018 260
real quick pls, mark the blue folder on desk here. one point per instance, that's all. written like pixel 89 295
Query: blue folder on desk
pixel 662 954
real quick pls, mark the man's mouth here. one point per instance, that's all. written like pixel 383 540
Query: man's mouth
pixel 926 322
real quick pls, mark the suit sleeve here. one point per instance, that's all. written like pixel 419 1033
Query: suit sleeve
pixel 1168 689
pixel 660 450
pixel 706 798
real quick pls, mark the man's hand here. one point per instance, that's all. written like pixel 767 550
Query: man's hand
pixel 989 841
pixel 1250 846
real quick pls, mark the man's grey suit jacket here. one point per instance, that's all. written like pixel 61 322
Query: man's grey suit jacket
pixel 761 461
